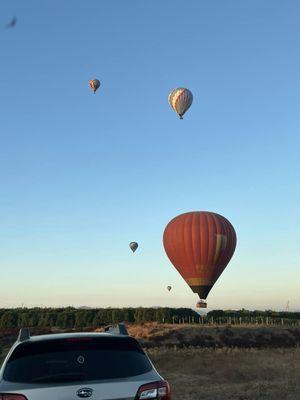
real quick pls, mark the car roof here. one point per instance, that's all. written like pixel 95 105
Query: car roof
pixel 57 336
pixel 110 331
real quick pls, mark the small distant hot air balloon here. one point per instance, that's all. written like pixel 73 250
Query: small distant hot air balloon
pixel 199 245
pixel 180 100
pixel 12 23
pixel 133 246
pixel 169 288
pixel 94 84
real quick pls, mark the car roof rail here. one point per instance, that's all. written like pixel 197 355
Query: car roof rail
pixel 119 329
pixel 24 334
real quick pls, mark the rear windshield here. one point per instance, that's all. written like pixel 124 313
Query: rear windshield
pixel 76 359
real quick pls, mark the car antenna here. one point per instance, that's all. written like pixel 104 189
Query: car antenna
pixel 24 334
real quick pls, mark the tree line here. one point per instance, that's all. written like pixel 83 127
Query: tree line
pixel 253 317
pixel 90 318
pixel 255 314
pixel 71 318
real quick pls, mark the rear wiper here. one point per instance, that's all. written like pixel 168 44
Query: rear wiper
pixel 59 378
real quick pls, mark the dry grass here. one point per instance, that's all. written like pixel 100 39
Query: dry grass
pixel 151 330
pixel 223 374
pixel 154 335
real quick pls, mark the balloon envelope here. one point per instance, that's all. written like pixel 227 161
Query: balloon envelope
pixel 94 84
pixel 200 245
pixel 180 100
pixel 133 246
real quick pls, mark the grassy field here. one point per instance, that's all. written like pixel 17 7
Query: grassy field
pixel 223 374
pixel 156 335
pixel 218 363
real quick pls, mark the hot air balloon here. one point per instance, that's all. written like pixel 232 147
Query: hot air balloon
pixel 200 245
pixel 133 246
pixel 12 23
pixel 94 84
pixel 180 100
pixel 169 288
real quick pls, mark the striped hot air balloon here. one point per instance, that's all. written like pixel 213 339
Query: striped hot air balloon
pixel 94 84
pixel 200 245
pixel 180 100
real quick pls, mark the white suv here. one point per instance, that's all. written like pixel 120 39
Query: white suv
pixel 98 366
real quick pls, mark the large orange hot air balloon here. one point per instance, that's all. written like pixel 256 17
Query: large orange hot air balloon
pixel 200 245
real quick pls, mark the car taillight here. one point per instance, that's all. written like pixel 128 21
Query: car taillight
pixel 154 391
pixel 12 397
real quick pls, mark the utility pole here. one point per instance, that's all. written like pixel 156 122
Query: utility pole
pixel 287 308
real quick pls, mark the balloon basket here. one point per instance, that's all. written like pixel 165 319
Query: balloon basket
pixel 201 304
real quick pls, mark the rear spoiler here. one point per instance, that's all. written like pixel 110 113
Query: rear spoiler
pixel 24 334
pixel 119 329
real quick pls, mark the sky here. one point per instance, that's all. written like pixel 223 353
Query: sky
pixel 82 175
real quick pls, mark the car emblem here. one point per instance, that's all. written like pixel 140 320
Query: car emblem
pixel 80 360
pixel 84 392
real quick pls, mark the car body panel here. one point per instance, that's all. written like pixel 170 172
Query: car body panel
pixel 112 389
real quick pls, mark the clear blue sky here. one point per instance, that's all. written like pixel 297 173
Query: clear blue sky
pixel 82 175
